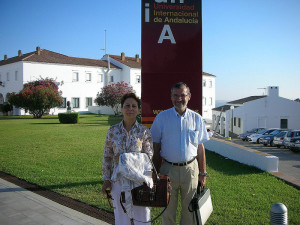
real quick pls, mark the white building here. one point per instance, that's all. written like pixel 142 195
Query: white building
pixel 267 111
pixel 80 79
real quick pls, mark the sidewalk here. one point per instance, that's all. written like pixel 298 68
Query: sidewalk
pixel 19 206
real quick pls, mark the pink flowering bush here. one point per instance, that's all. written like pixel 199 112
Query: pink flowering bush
pixel 111 95
pixel 37 97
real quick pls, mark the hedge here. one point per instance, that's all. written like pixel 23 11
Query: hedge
pixel 68 117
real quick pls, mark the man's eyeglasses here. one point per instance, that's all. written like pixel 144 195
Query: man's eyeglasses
pixel 179 96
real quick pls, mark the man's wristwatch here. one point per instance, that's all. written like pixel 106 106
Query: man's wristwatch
pixel 203 174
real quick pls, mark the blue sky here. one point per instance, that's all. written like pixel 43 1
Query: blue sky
pixel 247 44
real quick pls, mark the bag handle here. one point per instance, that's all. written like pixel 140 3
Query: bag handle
pixel 152 220
pixel 154 169
pixel 132 219
pixel 193 206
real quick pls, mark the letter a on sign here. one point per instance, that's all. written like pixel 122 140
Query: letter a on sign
pixel 163 35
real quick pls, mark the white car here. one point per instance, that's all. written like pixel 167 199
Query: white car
pixel 254 138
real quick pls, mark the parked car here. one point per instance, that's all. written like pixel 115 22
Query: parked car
pixel 254 138
pixel 278 139
pixel 295 144
pixel 290 134
pixel 243 136
pixel 268 138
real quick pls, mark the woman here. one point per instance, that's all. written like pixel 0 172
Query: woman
pixel 125 137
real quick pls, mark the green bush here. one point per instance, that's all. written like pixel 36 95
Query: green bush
pixel 6 107
pixel 68 117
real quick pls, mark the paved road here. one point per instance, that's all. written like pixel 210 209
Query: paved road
pixel 289 162
pixel 19 206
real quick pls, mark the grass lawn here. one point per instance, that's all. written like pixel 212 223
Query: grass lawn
pixel 67 158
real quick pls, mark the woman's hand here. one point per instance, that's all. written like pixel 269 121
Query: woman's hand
pixel 106 185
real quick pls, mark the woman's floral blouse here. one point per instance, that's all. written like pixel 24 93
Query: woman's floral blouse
pixel 118 141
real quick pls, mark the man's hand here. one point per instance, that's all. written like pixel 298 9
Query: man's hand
pixel 202 180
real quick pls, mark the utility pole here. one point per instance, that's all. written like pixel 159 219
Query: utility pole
pixel 108 61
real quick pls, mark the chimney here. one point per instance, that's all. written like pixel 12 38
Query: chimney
pixel 38 50
pixel 5 57
pixel 273 91
pixel 123 56
pixel 19 53
pixel 137 58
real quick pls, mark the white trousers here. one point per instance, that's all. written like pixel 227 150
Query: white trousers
pixel 121 218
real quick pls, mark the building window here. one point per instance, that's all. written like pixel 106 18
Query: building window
pixel 75 103
pixel 210 84
pixel 138 79
pixel 234 121
pixel 111 79
pixel 64 103
pixel 16 75
pixel 239 122
pixel 100 78
pixel 75 77
pixel 88 102
pixel 210 101
pixel 204 101
pixel 7 76
pixel 0 77
pixel 88 77
pixel 283 123
pixel 204 83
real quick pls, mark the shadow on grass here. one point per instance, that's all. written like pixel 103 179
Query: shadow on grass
pixel 45 123
pixel 71 185
pixel 228 166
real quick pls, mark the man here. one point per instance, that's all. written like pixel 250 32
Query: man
pixel 178 135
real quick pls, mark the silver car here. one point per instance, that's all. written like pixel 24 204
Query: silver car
pixel 278 139
pixel 290 134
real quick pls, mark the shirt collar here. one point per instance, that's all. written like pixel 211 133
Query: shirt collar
pixel 183 115
pixel 134 125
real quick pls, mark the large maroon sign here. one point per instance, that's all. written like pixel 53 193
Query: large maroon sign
pixel 171 52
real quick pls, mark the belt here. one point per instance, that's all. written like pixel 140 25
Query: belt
pixel 181 164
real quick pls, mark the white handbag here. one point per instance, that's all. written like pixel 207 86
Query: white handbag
pixel 201 205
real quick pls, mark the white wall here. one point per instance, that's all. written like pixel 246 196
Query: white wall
pixel 246 156
pixel 12 85
pixel 64 75
pixel 209 93
pixel 272 110
pixel 128 75
pixel 31 71
pixel 265 112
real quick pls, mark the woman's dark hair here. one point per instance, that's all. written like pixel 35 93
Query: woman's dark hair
pixel 131 95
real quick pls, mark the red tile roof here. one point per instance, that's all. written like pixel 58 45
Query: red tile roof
pixel 47 56
pixel 129 61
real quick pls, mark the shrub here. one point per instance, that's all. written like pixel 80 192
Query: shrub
pixel 111 95
pixel 37 97
pixel 6 107
pixel 68 117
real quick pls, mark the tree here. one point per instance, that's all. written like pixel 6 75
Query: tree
pixel 37 97
pixel 297 99
pixel 111 95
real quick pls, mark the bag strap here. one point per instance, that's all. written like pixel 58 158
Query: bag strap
pixel 150 221
pixel 108 195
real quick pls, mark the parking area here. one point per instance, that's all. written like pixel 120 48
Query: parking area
pixel 289 162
